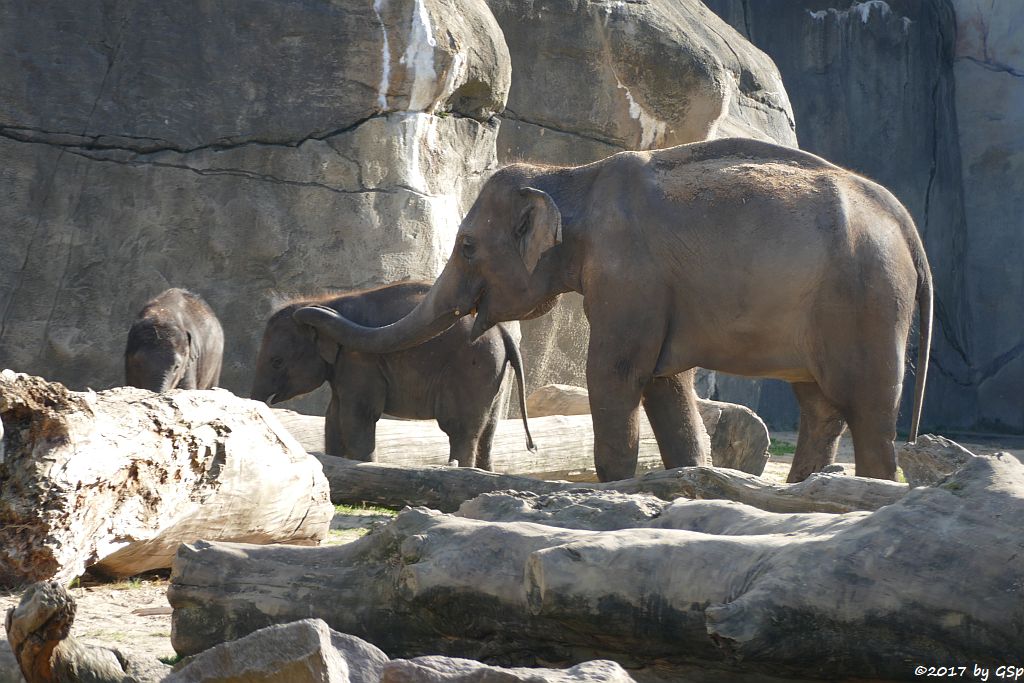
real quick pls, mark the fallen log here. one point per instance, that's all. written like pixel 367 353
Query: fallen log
pixel 39 632
pixel 446 488
pixel 565 443
pixel 934 577
pixel 116 480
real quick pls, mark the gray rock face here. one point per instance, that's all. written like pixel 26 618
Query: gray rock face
pixel 872 88
pixel 240 152
pixel 989 72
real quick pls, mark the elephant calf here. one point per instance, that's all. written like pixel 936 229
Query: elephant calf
pixel 176 341
pixel 449 378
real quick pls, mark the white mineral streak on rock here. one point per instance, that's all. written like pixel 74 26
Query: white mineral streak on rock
pixel 420 135
pixel 385 61
pixel 652 130
pixel 864 9
pixel 445 214
pixel 419 58
pixel 610 8
pixel 861 10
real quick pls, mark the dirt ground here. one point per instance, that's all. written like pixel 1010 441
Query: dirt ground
pixel 133 615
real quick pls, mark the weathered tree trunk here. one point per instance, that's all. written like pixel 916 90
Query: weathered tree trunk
pixel 446 488
pixel 934 577
pixel 565 444
pixel 116 480
pixel 39 632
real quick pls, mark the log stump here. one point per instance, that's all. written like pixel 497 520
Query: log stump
pixel 39 630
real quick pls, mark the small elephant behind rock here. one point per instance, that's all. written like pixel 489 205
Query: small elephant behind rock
pixel 176 342
pixel 450 378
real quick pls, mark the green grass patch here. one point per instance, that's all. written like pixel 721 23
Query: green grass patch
pixel 170 660
pixel 364 509
pixel 779 447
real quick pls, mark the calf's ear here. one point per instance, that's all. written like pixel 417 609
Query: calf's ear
pixel 538 227
pixel 326 347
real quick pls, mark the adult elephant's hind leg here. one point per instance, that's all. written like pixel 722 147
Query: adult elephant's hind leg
pixel 821 425
pixel 873 428
pixel 671 406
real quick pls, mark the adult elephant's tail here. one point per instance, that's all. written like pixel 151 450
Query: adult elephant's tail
pixel 924 344
pixel 515 359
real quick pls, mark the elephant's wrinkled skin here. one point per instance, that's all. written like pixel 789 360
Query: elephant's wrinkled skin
pixel 457 381
pixel 734 255
pixel 176 342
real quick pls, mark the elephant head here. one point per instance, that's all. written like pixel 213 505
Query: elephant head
pixel 158 356
pixel 500 269
pixel 293 359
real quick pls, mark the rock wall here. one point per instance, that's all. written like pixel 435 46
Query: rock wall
pixel 291 146
pixel 989 72
pixel 875 88
pixel 243 151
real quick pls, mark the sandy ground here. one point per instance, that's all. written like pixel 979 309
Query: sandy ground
pixel 134 615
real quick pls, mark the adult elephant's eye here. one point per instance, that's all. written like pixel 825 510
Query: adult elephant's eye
pixel 468 248
pixel 276 363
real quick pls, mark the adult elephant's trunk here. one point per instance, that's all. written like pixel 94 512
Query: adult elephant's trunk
pixel 449 299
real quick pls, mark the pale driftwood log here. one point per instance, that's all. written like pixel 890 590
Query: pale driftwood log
pixel 116 480
pixel 933 577
pixel 446 488
pixel 39 631
pixel 565 444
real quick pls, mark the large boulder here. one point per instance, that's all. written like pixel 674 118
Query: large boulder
pixel 240 151
pixel 592 78
pixel 303 651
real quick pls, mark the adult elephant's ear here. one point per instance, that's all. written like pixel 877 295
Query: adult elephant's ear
pixel 539 227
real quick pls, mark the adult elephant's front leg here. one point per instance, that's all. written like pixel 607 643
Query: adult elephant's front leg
pixel 671 406
pixel 614 383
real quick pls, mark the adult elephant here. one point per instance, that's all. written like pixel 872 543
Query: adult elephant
pixel 176 341
pixel 734 255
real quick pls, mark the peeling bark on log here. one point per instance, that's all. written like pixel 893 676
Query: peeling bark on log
pixel 116 480
pixel 446 488
pixel 39 632
pixel 934 577
pixel 565 443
